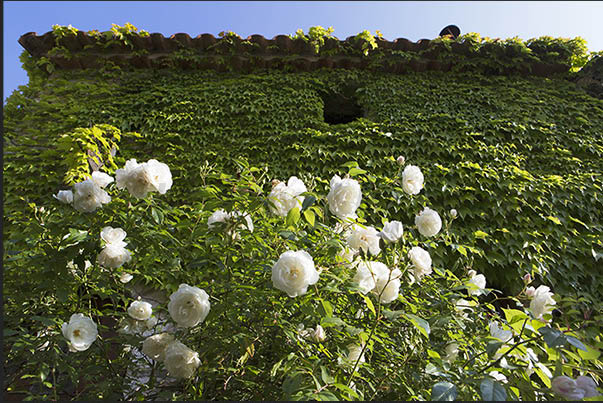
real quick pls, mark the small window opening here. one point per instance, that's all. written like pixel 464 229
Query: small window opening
pixel 341 107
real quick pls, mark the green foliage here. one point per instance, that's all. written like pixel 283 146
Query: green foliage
pixel 368 41
pixel 315 36
pixel 518 158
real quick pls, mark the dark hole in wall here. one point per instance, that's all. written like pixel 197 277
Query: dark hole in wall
pixel 341 106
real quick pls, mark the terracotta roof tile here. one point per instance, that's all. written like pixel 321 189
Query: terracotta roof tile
pixel 255 51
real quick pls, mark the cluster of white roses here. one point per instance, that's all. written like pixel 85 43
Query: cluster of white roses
pixel 188 307
pixel 139 179
pixel 542 300
pixel 87 195
pixel 114 254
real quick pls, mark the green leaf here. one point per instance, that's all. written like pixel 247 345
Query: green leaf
pixel 328 308
pixel 419 323
pixel 309 216
pixel 480 234
pixel 492 391
pixel 493 347
pixel 293 217
pixel 576 343
pixel 554 219
pixel 308 201
pixel 443 392
pixel 553 337
pixel 324 374
pixel 356 171
pixel 514 315
pixel 157 215
pixel 331 322
pixel 590 354
pixel 349 164
pixel 369 304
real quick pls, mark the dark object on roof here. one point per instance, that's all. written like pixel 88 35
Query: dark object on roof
pixel 452 30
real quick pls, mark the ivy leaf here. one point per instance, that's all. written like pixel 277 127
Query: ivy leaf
pixel 356 171
pixel 554 219
pixel 443 392
pixel 553 337
pixel 419 323
pixel 492 391
pixel 369 304
pixel 157 215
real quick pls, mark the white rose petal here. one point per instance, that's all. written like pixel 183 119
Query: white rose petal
pixel 154 346
pixel 294 272
pixel 354 352
pixel 428 222
pixel 81 332
pixel 140 179
pixel 189 306
pixel 421 261
pixel 88 196
pixel 101 178
pixel 113 256
pixel 412 180
pixel 387 285
pixel 452 351
pixel 125 277
pixel 287 196
pixel 542 301
pixel 503 335
pixel 140 310
pixel 588 385
pixel 567 387
pixel 366 239
pixel 392 231
pixel 180 361
pixel 479 281
pixel 366 275
pixel 64 196
pixel 344 197
pixel 217 216
pixel 113 236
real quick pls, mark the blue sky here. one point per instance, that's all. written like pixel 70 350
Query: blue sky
pixel 395 19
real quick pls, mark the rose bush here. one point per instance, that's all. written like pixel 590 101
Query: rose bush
pixel 389 320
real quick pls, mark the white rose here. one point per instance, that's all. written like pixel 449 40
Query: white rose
pixel 421 262
pixel 125 277
pixel 452 351
pixel 217 216
pixel 587 384
pixel 400 160
pixel 463 307
pixel 140 179
pixel 134 326
pixel 392 231
pixel 189 306
pixel 140 310
pixel 294 272
pixel 479 281
pixel 88 196
pixel 542 302
pixel 530 291
pixel 248 223
pixel 317 335
pixel 567 387
pixel 366 239
pixel 346 254
pixel 367 274
pixel 499 333
pixel 113 256
pixel 113 236
pixel 287 196
pixel 81 332
pixel 453 213
pixel 154 346
pixel 181 361
pixel 64 196
pixel 354 352
pixel 428 222
pixel 412 180
pixel 344 197
pixel 387 284
pixel 101 178
pixel 498 376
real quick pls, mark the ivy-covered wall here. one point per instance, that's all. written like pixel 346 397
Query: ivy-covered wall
pixel 519 158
